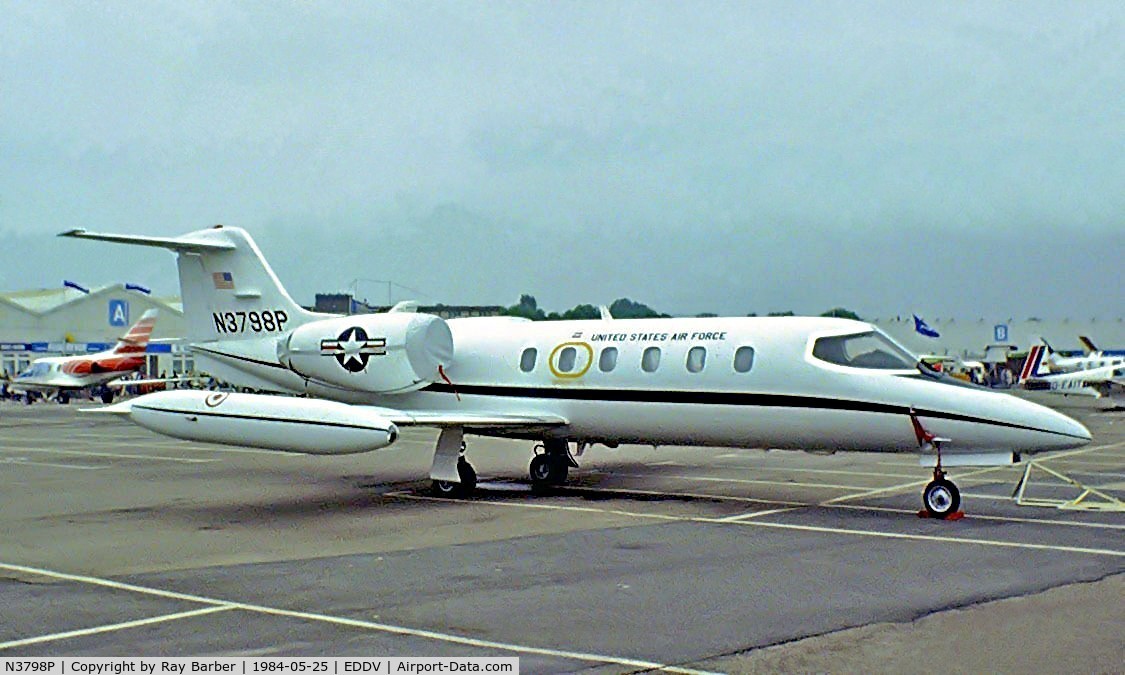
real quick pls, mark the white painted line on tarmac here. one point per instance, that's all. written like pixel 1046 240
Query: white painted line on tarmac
pixel 27 462
pixel 115 455
pixel 904 486
pixel 109 628
pixel 355 623
pixel 788 526
pixel 850 507
pixel 687 495
pixel 549 507
pixel 752 515
pixel 977 516
pixel 936 538
pixel 746 481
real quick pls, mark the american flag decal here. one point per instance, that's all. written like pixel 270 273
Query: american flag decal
pixel 223 280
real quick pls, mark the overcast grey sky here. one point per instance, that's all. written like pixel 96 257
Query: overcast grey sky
pixel 964 159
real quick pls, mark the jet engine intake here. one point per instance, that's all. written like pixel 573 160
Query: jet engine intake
pixel 388 353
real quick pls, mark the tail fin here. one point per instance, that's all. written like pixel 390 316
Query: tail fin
pixel 136 340
pixel 1051 355
pixel 1088 344
pixel 1032 364
pixel 227 287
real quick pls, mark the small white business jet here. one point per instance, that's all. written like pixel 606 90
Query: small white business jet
pixel 1103 377
pixel 821 384
pixel 61 376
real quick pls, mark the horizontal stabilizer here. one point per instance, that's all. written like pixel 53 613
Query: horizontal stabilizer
pixel 179 244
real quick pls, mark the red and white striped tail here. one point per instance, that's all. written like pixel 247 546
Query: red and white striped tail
pixel 136 340
pixel 1032 364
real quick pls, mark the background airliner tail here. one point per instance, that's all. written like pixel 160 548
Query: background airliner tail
pixel 1033 363
pixel 136 340
pixel 228 289
pixel 1088 344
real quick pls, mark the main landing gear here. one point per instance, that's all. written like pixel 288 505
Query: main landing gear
pixel 451 473
pixel 551 464
pixel 462 488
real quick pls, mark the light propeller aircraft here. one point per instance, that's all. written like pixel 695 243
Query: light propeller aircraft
pixel 61 376
pixel 819 384
pixel 1102 377
pixel 1091 359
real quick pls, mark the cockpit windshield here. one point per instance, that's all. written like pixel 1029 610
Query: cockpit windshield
pixel 864 350
pixel 36 370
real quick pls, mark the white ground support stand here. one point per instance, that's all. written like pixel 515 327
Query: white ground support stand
pixel 1102 501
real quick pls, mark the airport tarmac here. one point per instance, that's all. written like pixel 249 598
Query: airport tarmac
pixel 116 541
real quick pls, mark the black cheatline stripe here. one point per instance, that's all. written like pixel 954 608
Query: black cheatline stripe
pixel 237 357
pixel 722 398
pixel 690 397
pixel 339 425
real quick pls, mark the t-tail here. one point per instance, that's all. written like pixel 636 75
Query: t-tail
pixel 228 290
pixel 1089 346
pixel 136 340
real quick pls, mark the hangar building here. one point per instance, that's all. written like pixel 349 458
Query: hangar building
pixel 75 320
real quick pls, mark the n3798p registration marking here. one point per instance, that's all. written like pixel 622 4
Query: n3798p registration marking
pixel 265 321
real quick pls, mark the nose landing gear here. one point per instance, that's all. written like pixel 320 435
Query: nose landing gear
pixel 941 498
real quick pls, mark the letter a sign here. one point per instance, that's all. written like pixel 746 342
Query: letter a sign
pixel 118 313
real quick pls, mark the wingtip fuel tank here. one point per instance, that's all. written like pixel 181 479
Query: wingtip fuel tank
pixel 310 426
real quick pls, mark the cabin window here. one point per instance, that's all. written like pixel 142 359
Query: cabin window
pixel 743 359
pixel 696 358
pixel 566 359
pixel 608 359
pixel 527 359
pixel 650 360
pixel 863 350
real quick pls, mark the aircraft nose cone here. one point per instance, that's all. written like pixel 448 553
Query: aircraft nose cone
pixel 1066 431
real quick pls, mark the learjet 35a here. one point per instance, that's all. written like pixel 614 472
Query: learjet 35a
pixel 821 384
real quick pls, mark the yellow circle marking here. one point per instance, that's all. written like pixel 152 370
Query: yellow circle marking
pixel 577 373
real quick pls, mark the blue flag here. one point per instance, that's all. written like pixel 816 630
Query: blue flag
pixel 921 327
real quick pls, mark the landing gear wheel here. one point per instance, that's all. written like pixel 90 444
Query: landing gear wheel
pixel 941 498
pixel 107 396
pixel 445 488
pixel 63 398
pixel 548 470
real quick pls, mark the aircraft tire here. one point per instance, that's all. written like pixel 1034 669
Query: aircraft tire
pixel 468 477
pixel 941 498
pixel 107 396
pixel 63 398
pixel 548 470
pixel 451 490
pixel 28 398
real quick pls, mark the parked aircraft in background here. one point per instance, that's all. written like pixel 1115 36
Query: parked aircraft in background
pixel 61 376
pixel 1104 381
pixel 1093 358
pixel 820 384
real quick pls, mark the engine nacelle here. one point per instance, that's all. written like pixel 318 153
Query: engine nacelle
pixel 379 353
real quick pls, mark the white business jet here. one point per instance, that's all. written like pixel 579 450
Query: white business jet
pixel 820 384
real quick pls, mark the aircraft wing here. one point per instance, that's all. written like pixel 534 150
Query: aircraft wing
pixel 468 420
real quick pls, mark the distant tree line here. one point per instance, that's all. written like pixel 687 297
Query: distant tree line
pixel 624 308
